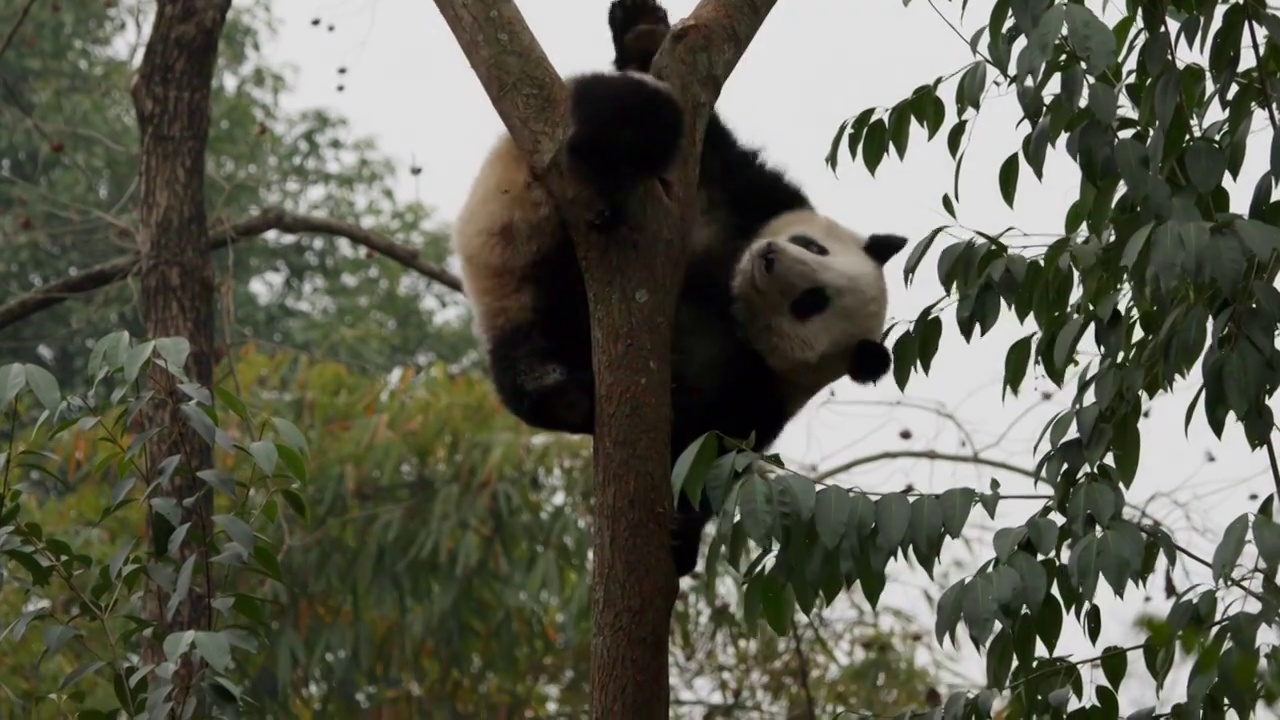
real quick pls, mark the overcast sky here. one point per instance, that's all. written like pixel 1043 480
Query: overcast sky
pixel 813 64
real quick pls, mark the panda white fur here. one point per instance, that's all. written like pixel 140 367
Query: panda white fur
pixel 777 302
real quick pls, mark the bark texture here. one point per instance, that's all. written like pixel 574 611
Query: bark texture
pixel 171 97
pixel 632 278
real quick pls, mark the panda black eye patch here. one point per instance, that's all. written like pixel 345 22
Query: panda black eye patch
pixel 810 303
pixel 805 242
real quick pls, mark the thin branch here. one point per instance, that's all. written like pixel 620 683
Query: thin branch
pixel 802 672
pixel 1275 467
pixel 113 271
pixel 924 455
pixel 13 31
pixel 1262 77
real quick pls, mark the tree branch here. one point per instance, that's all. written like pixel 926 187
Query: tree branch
pixel 224 236
pixel 628 274
pixel 17 25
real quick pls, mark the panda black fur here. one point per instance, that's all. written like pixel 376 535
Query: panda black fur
pixel 777 302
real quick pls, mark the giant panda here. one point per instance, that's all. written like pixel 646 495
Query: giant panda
pixel 777 302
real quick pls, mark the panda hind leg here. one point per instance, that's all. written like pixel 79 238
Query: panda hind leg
pixel 638 27
pixel 626 128
pixel 540 386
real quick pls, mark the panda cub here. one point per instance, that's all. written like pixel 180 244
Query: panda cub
pixel 777 302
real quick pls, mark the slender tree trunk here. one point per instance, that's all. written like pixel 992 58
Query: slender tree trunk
pixel 629 277
pixel 171 97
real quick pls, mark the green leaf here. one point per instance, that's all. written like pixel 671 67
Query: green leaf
pixel 950 606
pixel 1275 154
pixel 44 385
pixel 1158 657
pixel 875 144
pixel 1102 103
pixel 833 155
pixel 904 358
pixel 1065 344
pixel 690 469
pixel 1006 541
pixel 1015 364
pixel 1266 535
pixel 174 350
pixel 972 84
pixel 857 129
pixel 830 513
pixel 900 128
pixel 1115 662
pixel 1134 246
pixel 862 515
pixel 956 505
pixel 264 455
pixel 57 635
pixel 12 379
pixel 1009 179
pixel 214 648
pixel 1037 145
pixel 1090 38
pixel 954 137
pixel 79 672
pixel 926 530
pixel 1206 165
pixel 928 336
pixel 177 643
pixel 893 515
pixel 291 435
pixel 237 529
pixel 1228 551
pixel 1049 622
pixel 1044 535
pixel 1034 579
pixel 800 498
pixel 757 501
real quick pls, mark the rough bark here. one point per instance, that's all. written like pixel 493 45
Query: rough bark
pixel 171 98
pixel 630 282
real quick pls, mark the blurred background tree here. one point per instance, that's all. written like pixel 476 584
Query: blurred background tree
pixel 68 171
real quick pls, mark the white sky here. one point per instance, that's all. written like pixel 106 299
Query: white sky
pixel 814 64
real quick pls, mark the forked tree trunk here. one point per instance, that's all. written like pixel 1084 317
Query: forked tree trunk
pixel 171 97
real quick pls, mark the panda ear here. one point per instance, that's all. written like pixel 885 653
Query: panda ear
pixel 869 360
pixel 882 248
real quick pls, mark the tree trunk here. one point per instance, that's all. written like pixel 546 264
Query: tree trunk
pixel 171 97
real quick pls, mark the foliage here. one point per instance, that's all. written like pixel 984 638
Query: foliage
pixel 84 598
pixel 68 178
pixel 1156 272
pixel 415 548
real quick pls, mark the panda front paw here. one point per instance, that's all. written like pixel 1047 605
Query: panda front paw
pixel 869 361
pixel 638 27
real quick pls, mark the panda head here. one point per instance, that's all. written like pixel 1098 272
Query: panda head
pixel 811 297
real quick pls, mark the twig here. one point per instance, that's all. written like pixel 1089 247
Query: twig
pixel 802 671
pixel 13 31
pixel 1275 467
pixel 1262 76
pixel 113 271
pixel 924 455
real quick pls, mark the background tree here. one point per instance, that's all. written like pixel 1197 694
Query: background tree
pixel 68 196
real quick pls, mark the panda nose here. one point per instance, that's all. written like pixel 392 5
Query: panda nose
pixel 769 255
